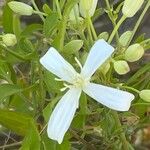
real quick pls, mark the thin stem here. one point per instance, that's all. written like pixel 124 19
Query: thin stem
pixel 40 13
pixel 112 19
pixel 139 21
pixel 58 9
pixel 122 134
pixel 12 53
pixel 37 9
pixel 116 28
pixel 11 145
pixel 92 28
pixel 90 34
pixel 89 28
pixel 130 88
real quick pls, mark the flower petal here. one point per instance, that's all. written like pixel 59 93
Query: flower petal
pixel 110 97
pixel 99 53
pixel 56 64
pixel 62 115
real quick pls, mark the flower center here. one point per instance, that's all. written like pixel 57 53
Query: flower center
pixel 80 81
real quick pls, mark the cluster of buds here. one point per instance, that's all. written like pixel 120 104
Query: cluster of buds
pixel 133 53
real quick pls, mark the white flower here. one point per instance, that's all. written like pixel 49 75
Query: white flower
pixel 63 113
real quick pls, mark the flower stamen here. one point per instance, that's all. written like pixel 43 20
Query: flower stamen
pixel 78 62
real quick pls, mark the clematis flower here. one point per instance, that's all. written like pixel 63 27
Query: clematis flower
pixel 64 111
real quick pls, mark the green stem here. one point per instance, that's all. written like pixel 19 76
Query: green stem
pixel 112 19
pixel 58 9
pixel 139 21
pixel 92 28
pixel 13 53
pixel 89 32
pixel 36 8
pixel 122 134
pixel 130 88
pixel 116 28
pixel 39 13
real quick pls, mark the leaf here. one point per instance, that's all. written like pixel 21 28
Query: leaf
pixel 50 23
pixel 7 19
pixel 58 42
pixel 16 26
pixel 8 90
pixel 73 46
pixel 26 46
pixel 5 72
pixel 49 144
pixel 47 9
pixel 49 108
pixel 15 121
pixel 143 70
pixel 51 84
pixel 32 139
pixel 30 29
pixel 79 120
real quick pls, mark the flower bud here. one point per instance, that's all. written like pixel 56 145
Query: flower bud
pixel 125 37
pixel 131 7
pixel 145 95
pixel 74 13
pixel 134 52
pixel 121 67
pixel 20 8
pixel 87 6
pixel 9 39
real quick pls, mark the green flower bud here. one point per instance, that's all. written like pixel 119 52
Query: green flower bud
pixel 145 95
pixel 134 52
pixel 121 67
pixel 9 39
pixel 125 37
pixel 74 13
pixel 21 8
pixel 87 6
pixel 131 7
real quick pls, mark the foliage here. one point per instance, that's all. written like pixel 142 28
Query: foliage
pixel 29 93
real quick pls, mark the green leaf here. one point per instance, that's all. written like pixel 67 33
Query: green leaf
pixel 15 121
pixel 73 46
pixel 68 7
pixel 49 108
pixel 5 72
pixel 30 29
pixel 32 139
pixel 26 46
pixel 58 42
pixel 47 9
pixel 8 90
pixel 7 19
pixel 51 84
pixel 16 26
pixel 143 70
pixel 49 144
pixel 50 23
pixel 79 120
